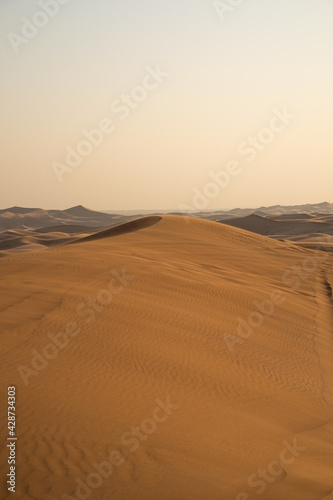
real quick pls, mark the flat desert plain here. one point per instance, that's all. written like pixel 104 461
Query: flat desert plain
pixel 169 358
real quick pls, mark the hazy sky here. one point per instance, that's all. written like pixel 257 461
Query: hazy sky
pixel 218 77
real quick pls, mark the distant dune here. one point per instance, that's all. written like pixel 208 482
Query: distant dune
pixel 275 210
pixel 65 225
pixel 191 347
pixel 66 228
pixel 308 230
pixel 294 216
pixel 79 221
pixel 79 211
pixel 255 224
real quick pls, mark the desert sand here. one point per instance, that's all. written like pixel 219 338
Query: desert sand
pixel 201 353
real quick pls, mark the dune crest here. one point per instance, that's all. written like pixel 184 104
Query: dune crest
pixel 126 227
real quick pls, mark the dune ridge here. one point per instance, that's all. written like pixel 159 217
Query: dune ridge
pixel 124 228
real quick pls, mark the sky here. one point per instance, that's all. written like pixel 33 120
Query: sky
pixel 166 104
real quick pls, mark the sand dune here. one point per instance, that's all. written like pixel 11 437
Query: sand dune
pixel 33 218
pixel 62 225
pixel 307 230
pixel 293 216
pixel 78 222
pixel 66 228
pixel 212 317
pixel 275 211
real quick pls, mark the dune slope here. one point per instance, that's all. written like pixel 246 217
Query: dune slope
pixel 232 328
